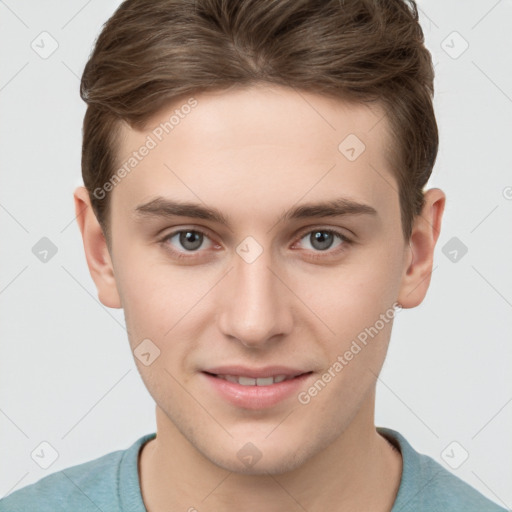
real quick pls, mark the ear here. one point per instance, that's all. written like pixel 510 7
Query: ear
pixel 96 250
pixel 420 257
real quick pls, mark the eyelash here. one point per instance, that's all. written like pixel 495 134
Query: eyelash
pixel 320 254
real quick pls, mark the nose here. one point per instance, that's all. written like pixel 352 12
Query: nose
pixel 254 303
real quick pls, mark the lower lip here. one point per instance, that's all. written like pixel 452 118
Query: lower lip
pixel 256 397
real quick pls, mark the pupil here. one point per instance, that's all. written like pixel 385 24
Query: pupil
pixel 324 238
pixel 188 237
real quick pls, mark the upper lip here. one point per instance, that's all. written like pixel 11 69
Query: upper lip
pixel 256 373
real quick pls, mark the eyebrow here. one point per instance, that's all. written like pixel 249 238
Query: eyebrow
pixel 161 207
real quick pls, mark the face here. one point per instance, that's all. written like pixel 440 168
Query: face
pixel 304 256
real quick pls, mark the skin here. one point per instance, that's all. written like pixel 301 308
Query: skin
pixel 254 153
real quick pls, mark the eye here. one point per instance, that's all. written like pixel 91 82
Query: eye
pixel 189 239
pixel 186 243
pixel 320 240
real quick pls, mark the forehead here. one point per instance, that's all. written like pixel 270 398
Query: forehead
pixel 272 142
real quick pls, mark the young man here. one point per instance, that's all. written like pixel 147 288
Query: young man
pixel 254 200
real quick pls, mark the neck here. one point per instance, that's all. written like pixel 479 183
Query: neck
pixel 360 470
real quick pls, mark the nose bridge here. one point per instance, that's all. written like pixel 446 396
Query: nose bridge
pixel 254 302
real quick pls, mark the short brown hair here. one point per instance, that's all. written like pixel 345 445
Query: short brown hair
pixel 150 53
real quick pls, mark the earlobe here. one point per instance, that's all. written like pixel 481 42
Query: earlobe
pixel 96 250
pixel 418 265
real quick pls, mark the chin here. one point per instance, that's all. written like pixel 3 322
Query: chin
pixel 273 465
pixel 248 459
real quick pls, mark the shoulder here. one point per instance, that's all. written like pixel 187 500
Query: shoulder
pixel 90 486
pixel 428 486
pixel 77 486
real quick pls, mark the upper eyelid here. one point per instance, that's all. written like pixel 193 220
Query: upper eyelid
pixel 336 230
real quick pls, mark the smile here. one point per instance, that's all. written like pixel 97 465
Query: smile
pixel 248 381
pixel 255 392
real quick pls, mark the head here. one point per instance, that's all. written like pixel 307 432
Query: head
pixel 258 112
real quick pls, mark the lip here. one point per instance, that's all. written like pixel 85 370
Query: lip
pixel 256 397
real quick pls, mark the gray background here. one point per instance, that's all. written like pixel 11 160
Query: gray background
pixel 67 376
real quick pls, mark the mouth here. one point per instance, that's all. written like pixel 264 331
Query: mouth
pixel 256 381
pixel 251 392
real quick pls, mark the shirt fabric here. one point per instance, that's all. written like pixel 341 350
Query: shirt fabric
pixel 111 484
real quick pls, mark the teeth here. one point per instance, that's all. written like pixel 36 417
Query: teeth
pixel 267 381
pixel 248 381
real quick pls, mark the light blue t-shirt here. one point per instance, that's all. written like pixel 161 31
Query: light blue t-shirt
pixel 111 484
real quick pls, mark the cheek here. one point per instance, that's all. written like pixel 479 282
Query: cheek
pixel 152 298
pixel 351 294
pixel 348 302
pixel 166 305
